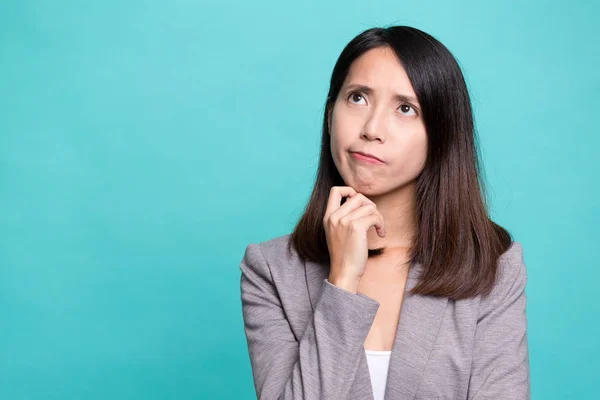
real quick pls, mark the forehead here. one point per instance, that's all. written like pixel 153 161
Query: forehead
pixel 380 69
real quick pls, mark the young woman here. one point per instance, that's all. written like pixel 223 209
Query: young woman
pixel 395 283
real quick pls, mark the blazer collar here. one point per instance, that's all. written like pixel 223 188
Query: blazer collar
pixel 419 324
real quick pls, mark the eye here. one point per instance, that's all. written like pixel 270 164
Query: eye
pixel 355 96
pixel 407 109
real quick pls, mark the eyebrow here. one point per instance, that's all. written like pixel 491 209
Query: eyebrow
pixel 368 90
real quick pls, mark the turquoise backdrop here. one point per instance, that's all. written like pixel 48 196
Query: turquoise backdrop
pixel 144 144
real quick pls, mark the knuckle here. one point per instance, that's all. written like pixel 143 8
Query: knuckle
pixel 364 199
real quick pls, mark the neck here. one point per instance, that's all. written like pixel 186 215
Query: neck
pixel 400 219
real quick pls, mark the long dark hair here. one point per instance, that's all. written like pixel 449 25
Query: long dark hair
pixel 457 243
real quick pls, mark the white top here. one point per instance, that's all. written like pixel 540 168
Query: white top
pixel 378 368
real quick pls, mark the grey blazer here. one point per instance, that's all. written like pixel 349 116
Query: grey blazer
pixel 306 336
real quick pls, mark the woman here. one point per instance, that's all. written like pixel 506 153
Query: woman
pixel 395 283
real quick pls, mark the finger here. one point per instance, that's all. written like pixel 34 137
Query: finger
pixel 335 198
pixel 350 205
pixel 365 223
pixel 364 211
pixel 354 202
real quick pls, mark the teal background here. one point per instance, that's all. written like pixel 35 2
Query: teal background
pixel 144 144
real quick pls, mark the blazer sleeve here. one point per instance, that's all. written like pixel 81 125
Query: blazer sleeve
pixel 500 367
pixel 322 362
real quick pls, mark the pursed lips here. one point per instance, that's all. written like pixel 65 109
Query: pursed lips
pixel 359 155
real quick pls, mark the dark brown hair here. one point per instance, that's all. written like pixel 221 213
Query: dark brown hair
pixel 457 243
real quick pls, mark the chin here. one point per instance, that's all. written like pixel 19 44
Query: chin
pixel 367 189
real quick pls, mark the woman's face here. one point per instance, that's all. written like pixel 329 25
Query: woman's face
pixel 377 112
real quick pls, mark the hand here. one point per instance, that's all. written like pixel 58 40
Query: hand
pixel 346 228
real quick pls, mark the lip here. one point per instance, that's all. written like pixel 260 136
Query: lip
pixel 366 157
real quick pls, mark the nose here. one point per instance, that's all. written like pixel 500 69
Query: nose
pixel 375 125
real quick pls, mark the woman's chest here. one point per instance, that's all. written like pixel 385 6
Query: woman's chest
pixel 388 289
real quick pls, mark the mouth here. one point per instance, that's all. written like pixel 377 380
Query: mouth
pixel 365 157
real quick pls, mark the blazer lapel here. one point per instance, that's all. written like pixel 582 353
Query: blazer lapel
pixel 361 386
pixel 420 321
pixel 418 327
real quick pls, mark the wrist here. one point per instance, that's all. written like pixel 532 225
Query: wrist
pixel 347 283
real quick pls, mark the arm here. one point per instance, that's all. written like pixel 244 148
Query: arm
pixel 501 358
pixel 321 364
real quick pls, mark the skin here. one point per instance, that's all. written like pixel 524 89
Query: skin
pixel 390 129
pixel 393 130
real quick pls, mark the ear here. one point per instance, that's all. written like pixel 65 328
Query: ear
pixel 329 111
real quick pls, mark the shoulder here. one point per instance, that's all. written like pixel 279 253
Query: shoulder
pixel 511 277
pixel 511 267
pixel 276 246
pixel 272 249
pixel 273 256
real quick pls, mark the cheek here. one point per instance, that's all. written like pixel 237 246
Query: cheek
pixel 419 144
pixel 339 159
pixel 345 124
pixel 334 142
pixel 410 160
pixel 417 154
pixel 339 138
